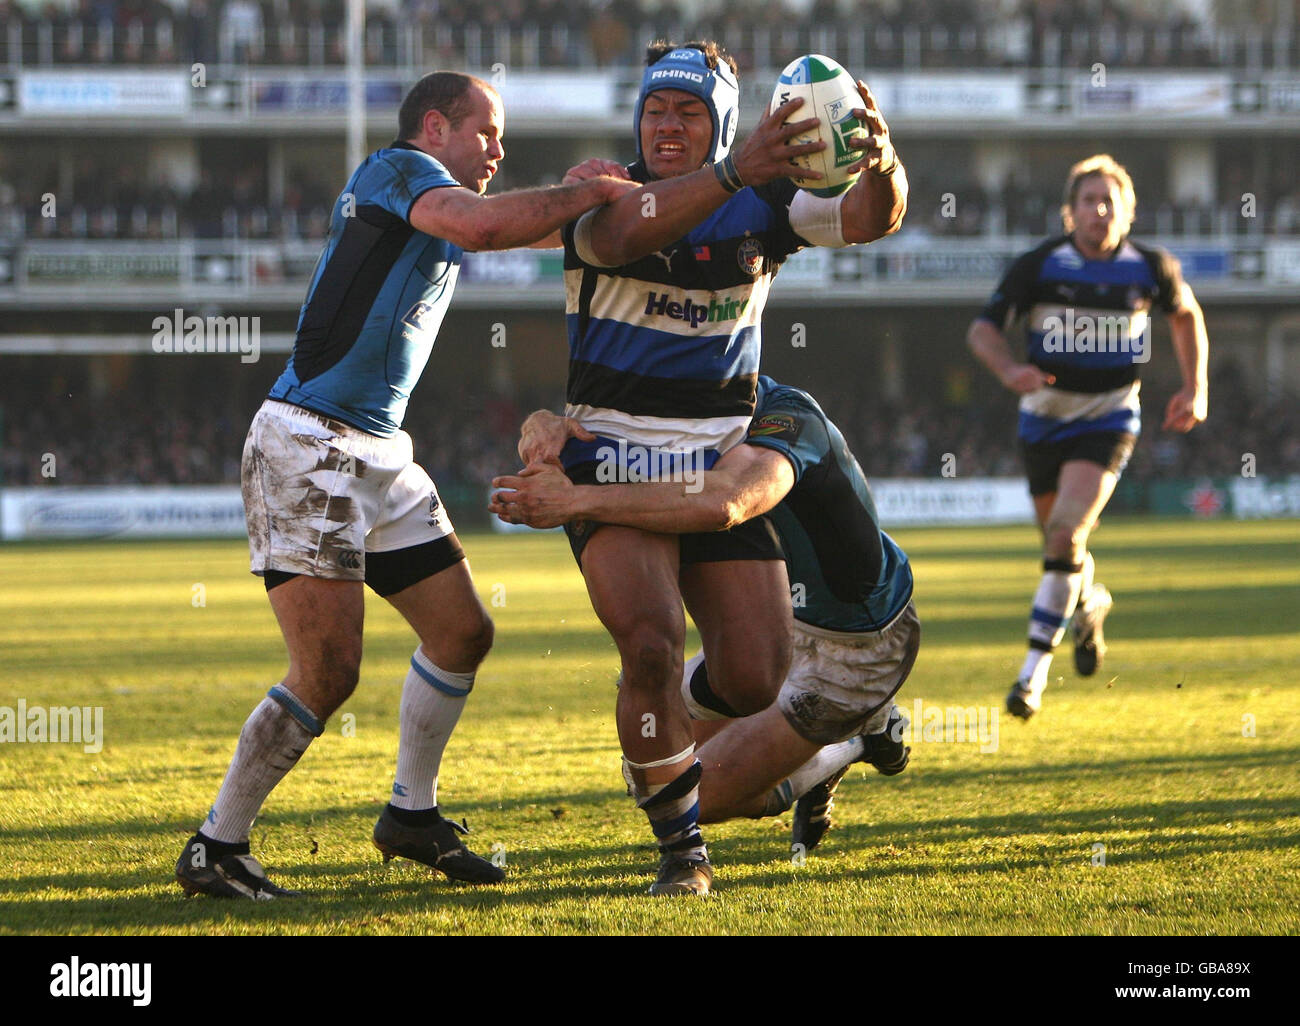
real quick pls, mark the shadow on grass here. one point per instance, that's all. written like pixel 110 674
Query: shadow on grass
pixel 481 811
pixel 1186 818
pixel 358 895
pixel 361 894
pixel 1148 614
pixel 1162 545
pixel 597 801
pixel 1010 778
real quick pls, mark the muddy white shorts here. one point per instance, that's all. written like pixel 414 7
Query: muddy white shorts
pixel 320 494
pixel 843 684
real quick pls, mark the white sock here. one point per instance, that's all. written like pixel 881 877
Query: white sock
pixel 271 743
pixel 432 700
pixel 1033 674
pixel 1085 580
pixel 828 761
pixel 1054 602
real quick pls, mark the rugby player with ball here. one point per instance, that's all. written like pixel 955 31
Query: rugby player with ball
pixel 665 289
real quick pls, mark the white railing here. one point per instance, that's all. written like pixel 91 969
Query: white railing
pixel 408 46
pixel 144 274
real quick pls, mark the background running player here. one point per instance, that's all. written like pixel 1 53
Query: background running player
pixel 664 295
pixel 855 633
pixel 331 493
pixel 1086 299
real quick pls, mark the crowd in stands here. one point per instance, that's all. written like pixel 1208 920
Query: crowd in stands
pixel 565 33
pixel 190 429
pixel 106 437
pixel 910 438
pixel 111 201
pixel 951 206
pixel 465 437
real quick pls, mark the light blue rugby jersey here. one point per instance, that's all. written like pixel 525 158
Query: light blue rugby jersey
pixel 855 577
pixel 1087 322
pixel 377 297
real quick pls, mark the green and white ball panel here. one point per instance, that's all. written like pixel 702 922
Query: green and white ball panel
pixel 830 95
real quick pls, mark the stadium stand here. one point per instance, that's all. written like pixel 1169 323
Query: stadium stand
pixel 931 34
pixel 191 432
pixel 107 200
pixel 239 185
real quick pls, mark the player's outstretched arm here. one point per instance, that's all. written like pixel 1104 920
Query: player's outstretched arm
pixel 595 167
pixel 511 219
pixel 1190 405
pixel 747 482
pixel 875 205
pixel 658 213
pixel 991 348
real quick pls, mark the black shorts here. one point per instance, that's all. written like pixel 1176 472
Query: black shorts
pixel 754 539
pixel 1108 449
pixel 387 573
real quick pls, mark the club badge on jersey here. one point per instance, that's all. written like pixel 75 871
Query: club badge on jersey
pixel 688 69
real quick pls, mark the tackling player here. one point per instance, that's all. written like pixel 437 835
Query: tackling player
pixel 1086 298
pixel 333 498
pixel 855 633
pixel 664 293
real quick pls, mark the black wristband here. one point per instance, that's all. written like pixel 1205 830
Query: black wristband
pixel 727 175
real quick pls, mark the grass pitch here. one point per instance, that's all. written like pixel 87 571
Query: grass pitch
pixel 1153 758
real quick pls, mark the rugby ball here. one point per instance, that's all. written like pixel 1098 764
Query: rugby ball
pixel 830 95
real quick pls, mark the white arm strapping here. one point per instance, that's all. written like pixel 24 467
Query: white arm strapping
pixel 582 240
pixel 818 219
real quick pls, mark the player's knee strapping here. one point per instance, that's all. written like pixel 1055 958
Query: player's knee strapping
pixel 1054 603
pixel 702 702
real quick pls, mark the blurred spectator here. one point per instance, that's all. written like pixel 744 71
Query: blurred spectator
pixel 232 200
pixel 201 31
pixel 241 31
pixel 189 427
pixel 564 33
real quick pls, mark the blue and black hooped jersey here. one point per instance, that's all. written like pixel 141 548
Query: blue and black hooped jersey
pixel 854 577
pixel 377 297
pixel 1088 324
pixel 664 351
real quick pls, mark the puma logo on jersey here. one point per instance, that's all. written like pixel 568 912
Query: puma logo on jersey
pixel 667 258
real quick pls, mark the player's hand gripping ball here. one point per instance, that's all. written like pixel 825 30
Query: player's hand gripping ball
pixel 830 95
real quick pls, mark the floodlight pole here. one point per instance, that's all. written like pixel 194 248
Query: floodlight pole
pixel 356 24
